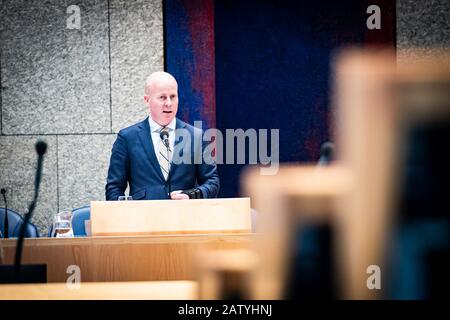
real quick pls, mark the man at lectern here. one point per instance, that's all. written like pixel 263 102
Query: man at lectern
pixel 159 157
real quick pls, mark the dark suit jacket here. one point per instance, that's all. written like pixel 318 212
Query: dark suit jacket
pixel 133 160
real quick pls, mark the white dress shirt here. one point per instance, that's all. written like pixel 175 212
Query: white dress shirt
pixel 155 130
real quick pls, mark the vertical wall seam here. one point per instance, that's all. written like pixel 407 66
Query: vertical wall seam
pixel 1 92
pixel 57 174
pixel 110 73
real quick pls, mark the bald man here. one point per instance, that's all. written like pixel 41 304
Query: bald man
pixel 142 153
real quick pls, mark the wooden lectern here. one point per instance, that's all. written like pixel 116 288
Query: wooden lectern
pixel 150 217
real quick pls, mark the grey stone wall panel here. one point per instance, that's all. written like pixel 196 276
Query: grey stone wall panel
pixel 54 79
pixel 83 162
pixel 425 23
pixel 18 161
pixel 136 51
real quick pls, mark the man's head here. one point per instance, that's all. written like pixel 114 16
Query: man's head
pixel 161 96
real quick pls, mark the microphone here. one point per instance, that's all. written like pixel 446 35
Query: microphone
pixel 164 135
pixel 5 221
pixel 41 148
pixel 326 153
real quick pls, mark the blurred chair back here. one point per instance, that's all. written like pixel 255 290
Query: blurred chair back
pixel 79 216
pixel 15 221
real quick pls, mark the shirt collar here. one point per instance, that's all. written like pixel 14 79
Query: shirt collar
pixel 155 127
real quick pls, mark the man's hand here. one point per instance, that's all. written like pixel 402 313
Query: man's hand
pixel 177 195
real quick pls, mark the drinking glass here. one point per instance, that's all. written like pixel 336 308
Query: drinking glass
pixel 62 225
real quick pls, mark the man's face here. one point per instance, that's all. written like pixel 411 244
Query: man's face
pixel 162 100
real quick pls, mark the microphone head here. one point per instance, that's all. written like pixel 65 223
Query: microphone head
pixel 164 134
pixel 41 147
pixel 3 191
pixel 327 150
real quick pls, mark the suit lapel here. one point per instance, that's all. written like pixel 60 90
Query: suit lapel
pixel 147 143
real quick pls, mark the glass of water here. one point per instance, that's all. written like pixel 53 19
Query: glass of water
pixel 125 198
pixel 62 225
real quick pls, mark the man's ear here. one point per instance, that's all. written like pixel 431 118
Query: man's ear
pixel 146 98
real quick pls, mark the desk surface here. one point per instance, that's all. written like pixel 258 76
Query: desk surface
pixel 130 258
pixel 143 290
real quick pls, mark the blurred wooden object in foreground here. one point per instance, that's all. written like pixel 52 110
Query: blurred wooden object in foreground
pixel 375 104
pixel 295 195
pixel 225 274
pixel 139 290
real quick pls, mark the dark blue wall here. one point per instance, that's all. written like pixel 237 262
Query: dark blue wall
pixel 272 67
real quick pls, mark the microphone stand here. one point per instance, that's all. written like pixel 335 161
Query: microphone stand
pixel 168 174
pixel 35 272
pixel 41 148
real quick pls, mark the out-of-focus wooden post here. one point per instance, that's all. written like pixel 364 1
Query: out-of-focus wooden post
pixel 366 140
pixel 295 195
pixel 225 274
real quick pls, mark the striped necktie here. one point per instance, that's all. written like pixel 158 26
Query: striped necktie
pixel 164 156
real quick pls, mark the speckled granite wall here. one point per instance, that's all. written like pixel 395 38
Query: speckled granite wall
pixel 136 51
pixel 75 88
pixel 55 80
pixel 17 173
pixel 422 23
